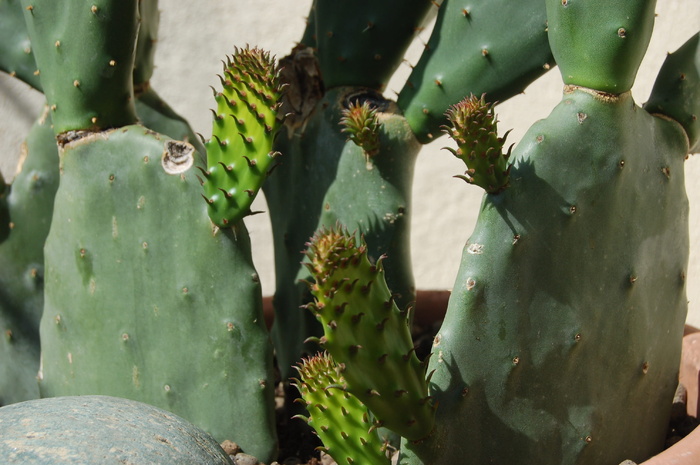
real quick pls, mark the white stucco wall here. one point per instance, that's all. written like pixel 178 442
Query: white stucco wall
pixel 195 35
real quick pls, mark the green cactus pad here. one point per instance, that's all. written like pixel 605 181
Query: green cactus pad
pixel 239 154
pixel 101 429
pixel 16 55
pixel 361 43
pixel 492 47
pixel 366 333
pixel 566 317
pixel 341 421
pixel 599 44
pixel 372 195
pixel 30 203
pixel 145 299
pixel 676 92
pixel 85 91
pixel 474 128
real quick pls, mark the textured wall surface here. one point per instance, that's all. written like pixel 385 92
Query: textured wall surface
pixel 194 36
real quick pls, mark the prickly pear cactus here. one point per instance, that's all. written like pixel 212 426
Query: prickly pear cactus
pixel 144 297
pixel 492 47
pixel 676 92
pixel 85 91
pixel 315 149
pixel 16 56
pixel 361 43
pixel 371 193
pixel 30 203
pixel 31 209
pixel 607 61
pixel 366 333
pixel 101 429
pixel 310 155
pixel 567 314
pixel 341 421
pixel 239 153
pixel 312 146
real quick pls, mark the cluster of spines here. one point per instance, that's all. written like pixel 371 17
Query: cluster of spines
pixel 239 153
pixel 361 123
pixel 367 334
pixel 341 421
pixel 473 125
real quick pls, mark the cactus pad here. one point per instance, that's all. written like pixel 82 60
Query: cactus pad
pixel 145 299
pixel 599 44
pixel 366 333
pixel 16 55
pixel 341 421
pixel 85 91
pixel 676 92
pixel 566 317
pixel 492 47
pixel 239 154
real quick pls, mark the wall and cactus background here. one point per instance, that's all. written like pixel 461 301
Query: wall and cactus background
pixel 562 254
pixel 192 41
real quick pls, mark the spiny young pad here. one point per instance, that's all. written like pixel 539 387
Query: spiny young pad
pixel 474 128
pixel 239 153
pixel 361 124
pixel 341 421
pixel 366 333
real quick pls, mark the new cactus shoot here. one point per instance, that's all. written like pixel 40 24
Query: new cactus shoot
pixel 473 126
pixel 343 423
pixel 239 153
pixel 366 332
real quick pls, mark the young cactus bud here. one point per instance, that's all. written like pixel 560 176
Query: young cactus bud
pixel 239 153
pixel 473 127
pixel 362 125
pixel 367 334
pixel 341 421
